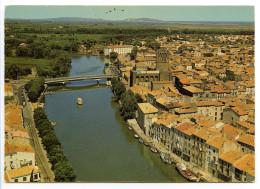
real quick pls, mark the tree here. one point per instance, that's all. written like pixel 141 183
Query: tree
pixel 129 105
pixel 119 89
pixel 133 53
pixel 11 71
pixel 138 98
pixel 64 172
pixel 113 55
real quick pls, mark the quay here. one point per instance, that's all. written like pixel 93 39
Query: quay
pixel 206 177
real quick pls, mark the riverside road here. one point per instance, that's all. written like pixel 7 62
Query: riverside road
pixel 40 154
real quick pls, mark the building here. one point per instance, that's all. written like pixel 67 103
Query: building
pixel 162 72
pixel 212 109
pixel 18 156
pixel 23 174
pixel 234 114
pixel 146 114
pixel 120 49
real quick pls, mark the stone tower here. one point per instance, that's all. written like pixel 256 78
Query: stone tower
pixel 162 64
pixel 162 59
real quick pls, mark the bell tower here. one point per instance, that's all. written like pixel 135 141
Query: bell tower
pixel 162 64
pixel 162 59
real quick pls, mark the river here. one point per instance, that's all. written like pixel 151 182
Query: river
pixel 95 137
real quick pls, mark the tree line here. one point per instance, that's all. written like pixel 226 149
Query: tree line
pixel 128 101
pixel 34 88
pixel 61 167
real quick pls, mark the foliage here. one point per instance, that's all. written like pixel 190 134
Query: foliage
pixel 63 170
pixel 129 105
pixel 11 71
pixel 118 87
pixel 113 55
pixel 138 98
pixel 208 54
pixel 133 53
pixel 34 88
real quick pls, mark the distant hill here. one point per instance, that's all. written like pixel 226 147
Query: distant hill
pixel 97 20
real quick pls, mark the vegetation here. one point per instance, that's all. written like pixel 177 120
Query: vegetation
pixel 62 169
pixel 113 55
pixel 12 71
pixel 133 53
pixel 34 88
pixel 128 101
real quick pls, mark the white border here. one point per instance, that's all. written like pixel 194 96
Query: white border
pixel 117 2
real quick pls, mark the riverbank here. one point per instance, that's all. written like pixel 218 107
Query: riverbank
pixel 206 177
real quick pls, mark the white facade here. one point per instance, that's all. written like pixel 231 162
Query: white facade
pixel 120 49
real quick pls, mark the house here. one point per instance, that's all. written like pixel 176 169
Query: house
pixel 23 174
pixel 18 155
pixel 234 114
pixel 215 148
pixel 199 139
pixel 212 109
pixel 182 140
pixel 244 169
pixel 145 114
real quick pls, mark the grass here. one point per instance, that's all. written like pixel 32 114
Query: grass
pixel 27 61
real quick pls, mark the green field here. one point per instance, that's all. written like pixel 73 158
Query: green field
pixel 29 62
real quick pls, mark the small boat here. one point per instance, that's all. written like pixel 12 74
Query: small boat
pixel 79 101
pixel 154 150
pixel 140 140
pixel 186 173
pixel 166 158
pixel 136 136
pixel 130 128
pixel 50 92
pixel 145 144
pixel 53 123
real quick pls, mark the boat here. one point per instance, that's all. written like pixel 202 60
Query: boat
pixel 140 140
pixel 53 123
pixel 186 173
pixel 166 158
pixel 136 136
pixel 79 101
pixel 130 128
pixel 145 144
pixel 154 150
pixel 50 92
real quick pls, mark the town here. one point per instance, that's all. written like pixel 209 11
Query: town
pixel 189 97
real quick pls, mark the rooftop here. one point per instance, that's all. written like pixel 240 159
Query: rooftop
pixel 147 108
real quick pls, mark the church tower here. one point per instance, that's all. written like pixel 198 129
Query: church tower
pixel 162 64
pixel 162 59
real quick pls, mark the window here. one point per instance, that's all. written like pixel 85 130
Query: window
pixel 15 180
pixel 36 176
pixel 11 156
pixel 24 179
pixel 213 151
pixel 214 158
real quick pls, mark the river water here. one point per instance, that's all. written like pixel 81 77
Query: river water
pixel 95 137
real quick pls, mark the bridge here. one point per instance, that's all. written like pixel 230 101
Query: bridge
pixel 78 78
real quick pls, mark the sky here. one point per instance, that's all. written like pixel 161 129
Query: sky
pixel 167 13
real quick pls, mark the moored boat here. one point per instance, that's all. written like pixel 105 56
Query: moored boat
pixel 130 128
pixel 136 136
pixel 145 144
pixel 166 158
pixel 140 140
pixel 186 173
pixel 154 150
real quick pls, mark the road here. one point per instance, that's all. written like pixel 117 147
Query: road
pixel 40 154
